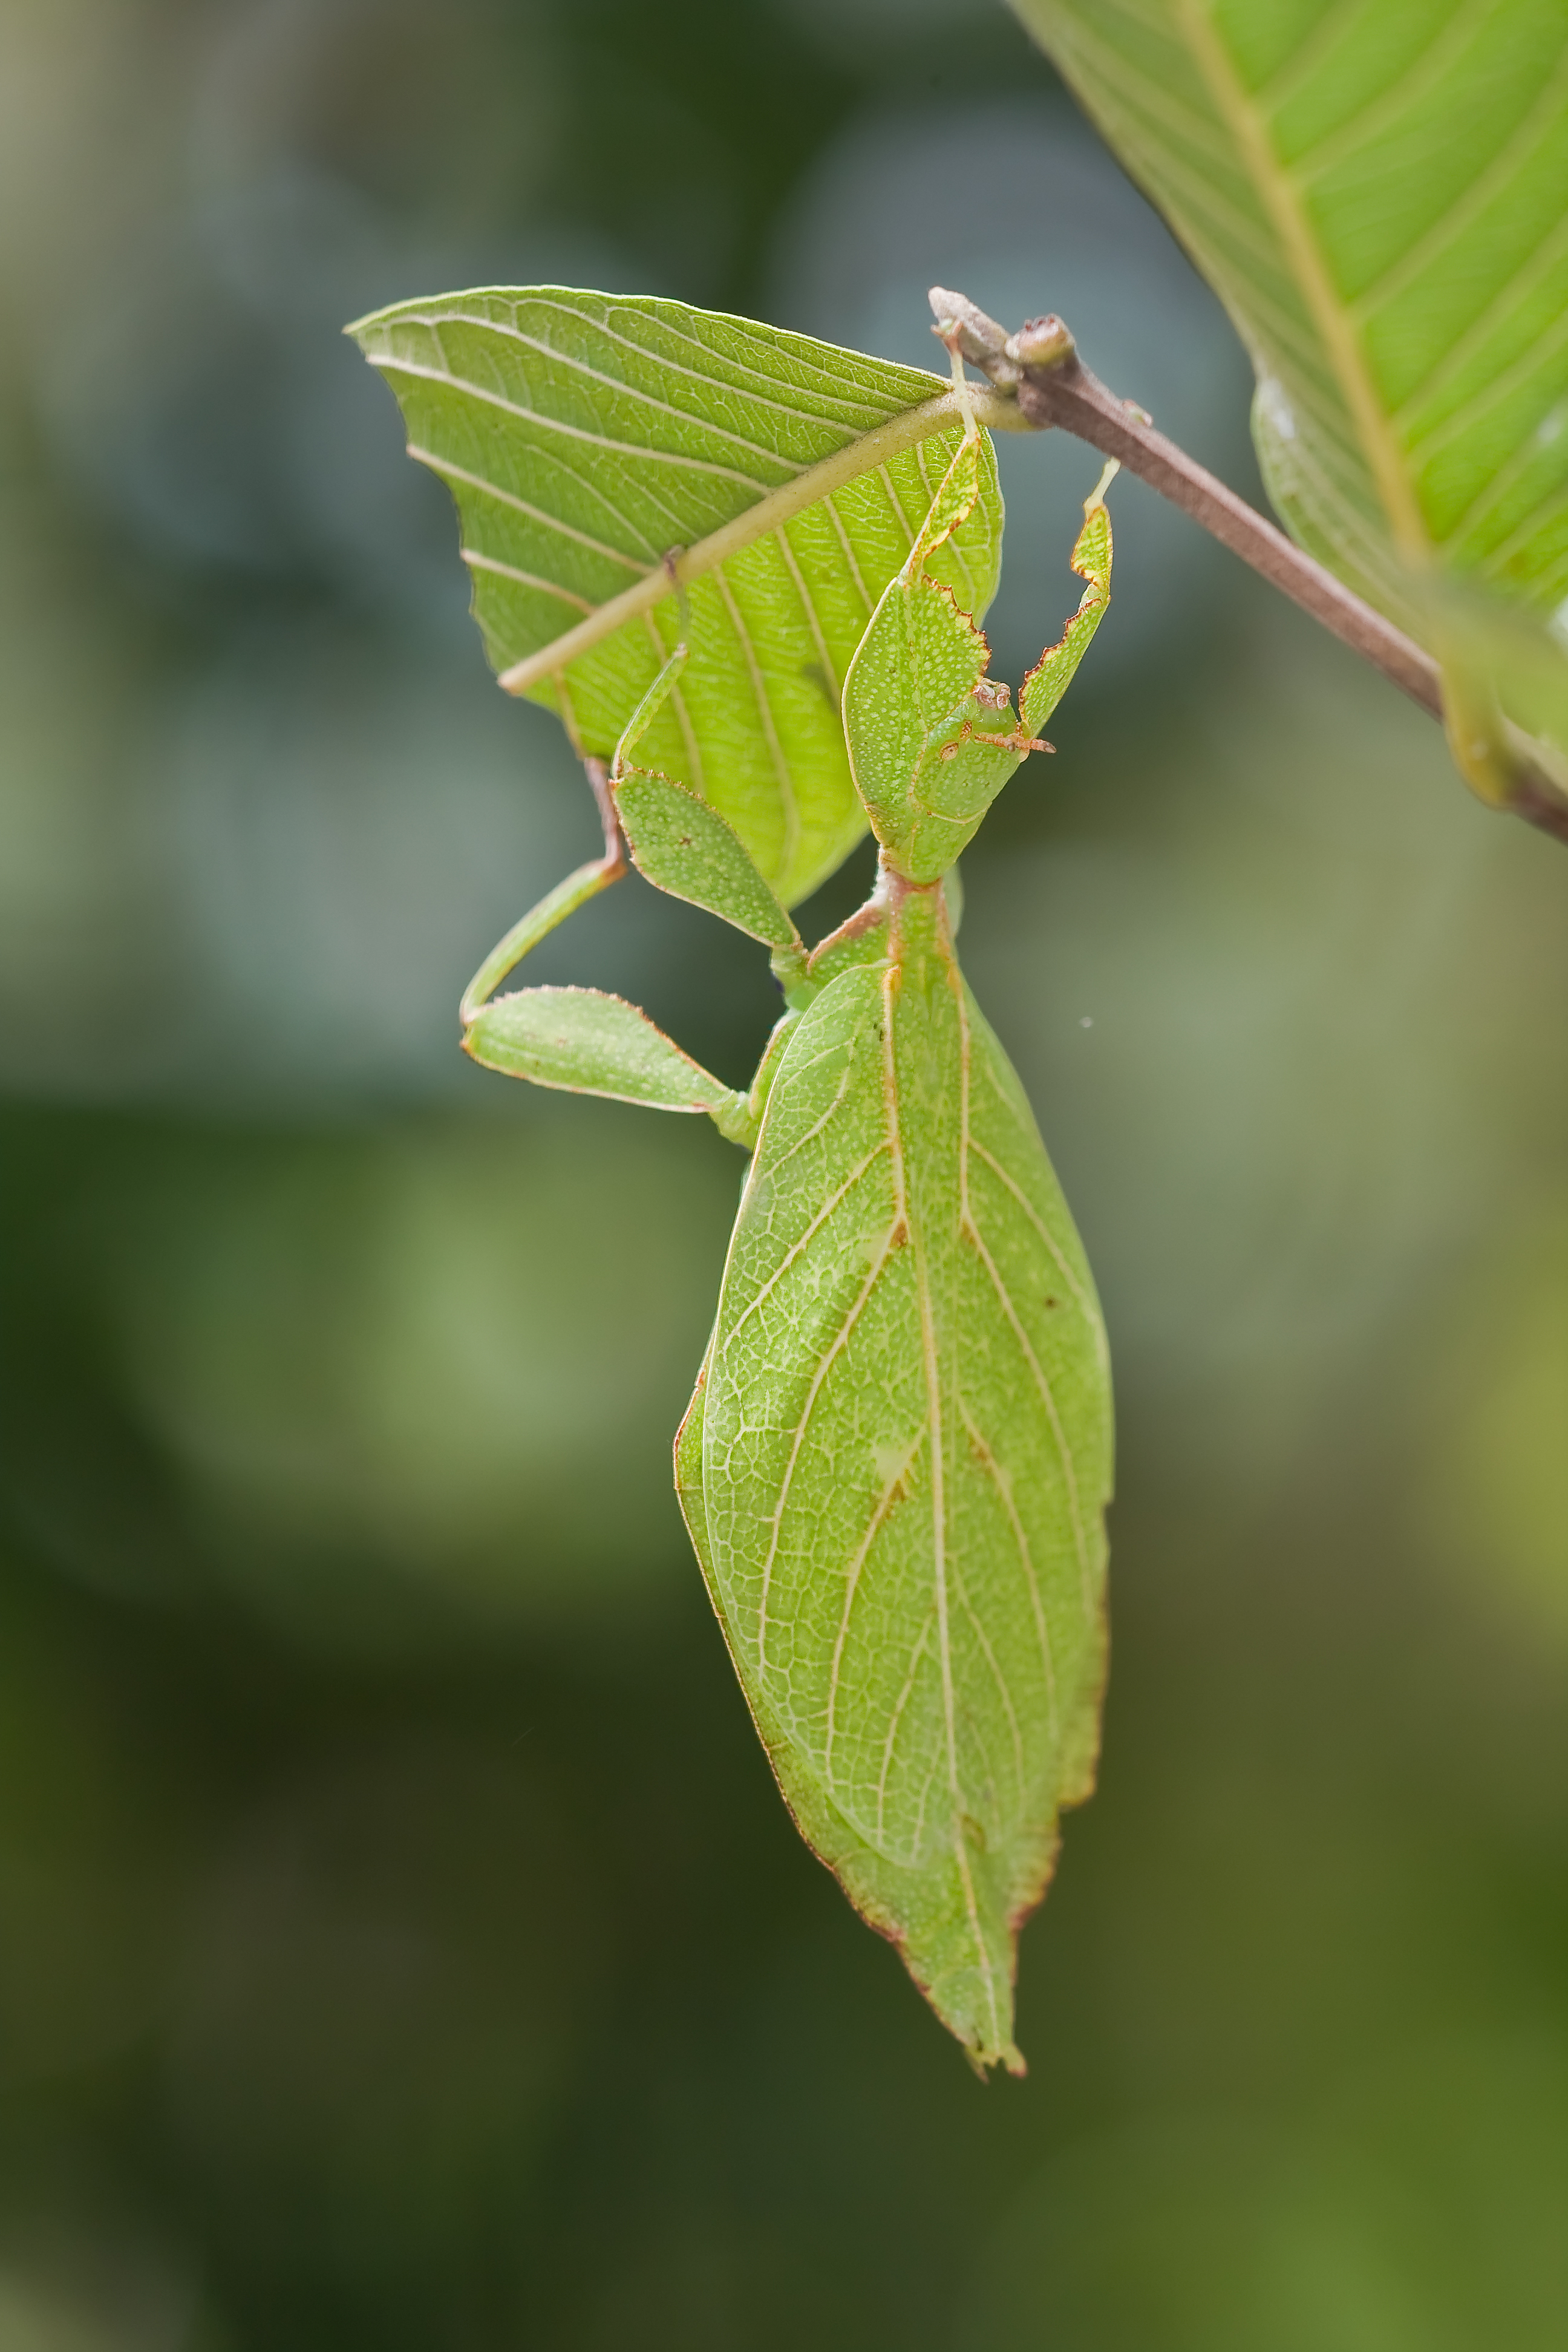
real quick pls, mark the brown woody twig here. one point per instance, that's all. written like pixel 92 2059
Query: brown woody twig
pixel 1041 366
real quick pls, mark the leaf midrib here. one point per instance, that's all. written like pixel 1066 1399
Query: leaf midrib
pixel 1282 196
pixel 865 454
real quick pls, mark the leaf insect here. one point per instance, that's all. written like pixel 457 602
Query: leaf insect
pixel 896 1462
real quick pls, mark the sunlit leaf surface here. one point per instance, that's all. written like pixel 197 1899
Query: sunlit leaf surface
pixel 586 438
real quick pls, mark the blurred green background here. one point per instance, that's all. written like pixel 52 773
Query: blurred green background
pixel 401 1942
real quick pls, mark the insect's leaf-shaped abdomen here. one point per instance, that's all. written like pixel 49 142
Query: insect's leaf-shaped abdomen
pixel 905 1457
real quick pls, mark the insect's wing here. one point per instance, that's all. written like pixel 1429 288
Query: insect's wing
pixel 904 1434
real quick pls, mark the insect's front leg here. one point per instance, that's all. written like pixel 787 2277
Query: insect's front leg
pixel 1052 674
pixel 590 880
pixel 579 1038
pixel 555 906
pixel 973 722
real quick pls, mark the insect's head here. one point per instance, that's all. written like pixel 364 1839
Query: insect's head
pixel 990 694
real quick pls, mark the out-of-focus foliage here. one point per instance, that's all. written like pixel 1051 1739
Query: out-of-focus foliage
pixel 323 1332
pixel 1376 192
pixel 1420 2206
pixel 400 1941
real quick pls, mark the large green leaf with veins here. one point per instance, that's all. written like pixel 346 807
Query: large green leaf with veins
pixel 630 472
pixel 1378 191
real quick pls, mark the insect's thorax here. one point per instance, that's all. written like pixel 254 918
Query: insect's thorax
pixel 925 1053
pixel 919 935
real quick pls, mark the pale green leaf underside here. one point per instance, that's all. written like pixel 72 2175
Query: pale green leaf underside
pixel 1378 190
pixel 584 435
pixel 896 1468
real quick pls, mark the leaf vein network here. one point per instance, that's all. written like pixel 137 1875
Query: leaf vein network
pixel 553 354
pixel 452 472
pixel 538 417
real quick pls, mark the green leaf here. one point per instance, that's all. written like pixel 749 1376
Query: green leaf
pixel 588 439
pixel 1376 191
pixel 587 1043
pixel 895 1469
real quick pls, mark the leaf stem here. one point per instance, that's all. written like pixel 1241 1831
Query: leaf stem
pixel 1064 393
